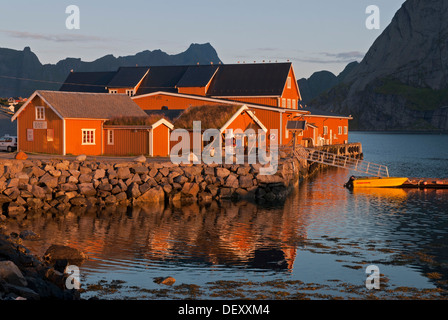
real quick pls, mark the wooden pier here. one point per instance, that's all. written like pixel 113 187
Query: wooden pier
pixel 426 183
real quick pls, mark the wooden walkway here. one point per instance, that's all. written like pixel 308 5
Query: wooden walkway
pixel 339 161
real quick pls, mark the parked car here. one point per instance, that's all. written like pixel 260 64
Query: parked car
pixel 8 143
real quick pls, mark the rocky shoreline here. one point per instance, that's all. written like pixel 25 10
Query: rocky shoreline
pixel 58 185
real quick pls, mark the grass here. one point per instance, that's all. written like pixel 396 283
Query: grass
pixel 418 99
pixel 135 121
pixel 210 116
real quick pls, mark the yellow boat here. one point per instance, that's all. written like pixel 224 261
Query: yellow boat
pixel 375 182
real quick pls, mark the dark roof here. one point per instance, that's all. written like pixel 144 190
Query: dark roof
pixel 171 114
pixel 296 125
pixel 197 76
pixel 317 112
pixel 258 79
pixel 91 105
pixel 162 79
pixel 128 77
pixel 87 82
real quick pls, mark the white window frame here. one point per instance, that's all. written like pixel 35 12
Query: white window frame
pixel 294 105
pixel 288 103
pixel 113 91
pixel 339 130
pixel 325 130
pixel 345 130
pixel 284 103
pixel 86 143
pixel 40 113
pixel 130 92
pixel 110 137
pixel 289 82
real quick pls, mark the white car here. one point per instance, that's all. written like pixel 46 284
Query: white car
pixel 8 143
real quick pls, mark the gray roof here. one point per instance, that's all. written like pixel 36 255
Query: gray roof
pixel 91 105
pixel 128 77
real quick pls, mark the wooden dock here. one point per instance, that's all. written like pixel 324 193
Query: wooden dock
pixel 426 183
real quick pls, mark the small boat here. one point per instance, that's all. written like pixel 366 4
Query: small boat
pixel 374 182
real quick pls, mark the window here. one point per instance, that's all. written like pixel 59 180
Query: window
pixel 289 82
pixel 40 113
pixel 130 92
pixel 289 104
pixel 88 136
pixel 325 130
pixel 345 130
pixel 110 137
pixel 284 103
pixel 113 91
pixel 294 105
pixel 339 130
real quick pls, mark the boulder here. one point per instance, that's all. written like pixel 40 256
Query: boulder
pixel 99 174
pixel 11 274
pixel 81 158
pixel 48 180
pixel 140 159
pixel 87 189
pixel 38 192
pixel 123 173
pixel 190 189
pixel 153 195
pixel 60 252
pixel 222 172
pixel 134 191
pixel 21 156
pixel 168 281
pixel 246 181
pixel 232 181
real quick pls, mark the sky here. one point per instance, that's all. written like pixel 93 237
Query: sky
pixel 314 35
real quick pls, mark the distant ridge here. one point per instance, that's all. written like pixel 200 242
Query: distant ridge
pixel 26 65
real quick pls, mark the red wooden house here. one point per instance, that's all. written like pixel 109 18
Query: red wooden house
pixel 55 122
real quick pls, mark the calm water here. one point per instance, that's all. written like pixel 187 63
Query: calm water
pixel 323 235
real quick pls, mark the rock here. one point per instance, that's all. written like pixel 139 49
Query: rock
pixel 87 189
pixel 222 172
pixel 121 196
pixel 11 274
pixel 140 159
pixel 22 292
pixel 29 235
pixel 246 181
pixel 153 195
pixel 99 174
pixel 110 200
pixel 34 203
pixel 267 179
pixel 212 189
pixel 190 189
pixel 21 156
pixel 168 281
pixel 12 183
pixel 11 193
pixel 134 191
pixel 225 193
pixel 59 252
pixel 38 192
pixel 81 158
pixel 4 199
pixel 85 178
pixel 123 173
pixel 232 181
pixel 139 169
pixel 67 187
pixel 167 188
pixel 48 180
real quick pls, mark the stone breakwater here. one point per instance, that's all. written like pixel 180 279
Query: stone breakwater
pixel 58 184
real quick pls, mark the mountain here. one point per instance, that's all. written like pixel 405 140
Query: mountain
pixel 402 82
pixel 320 82
pixel 26 65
